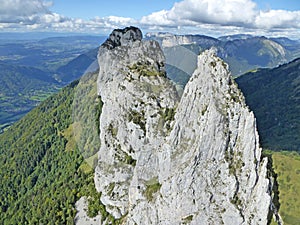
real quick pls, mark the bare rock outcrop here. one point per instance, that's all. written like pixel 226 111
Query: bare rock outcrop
pixel 168 161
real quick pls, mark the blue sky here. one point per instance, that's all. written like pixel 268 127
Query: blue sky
pixel 279 4
pixel 209 17
pixel 137 8
pixel 88 9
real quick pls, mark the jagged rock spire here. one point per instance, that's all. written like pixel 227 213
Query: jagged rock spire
pixel 137 99
pixel 165 161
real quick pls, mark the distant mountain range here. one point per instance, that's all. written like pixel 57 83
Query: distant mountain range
pixel 274 96
pixel 21 89
pixel 31 70
pixel 242 52
pixel 64 59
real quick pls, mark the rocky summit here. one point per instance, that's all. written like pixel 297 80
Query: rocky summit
pixel 165 160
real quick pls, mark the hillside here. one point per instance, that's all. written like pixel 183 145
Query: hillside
pixel 78 66
pixel 274 96
pixel 22 88
pixel 286 166
pixel 42 168
pixel 242 52
pixel 31 70
pixel 247 54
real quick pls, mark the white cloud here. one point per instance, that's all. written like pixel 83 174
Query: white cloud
pixel 211 17
pixel 158 18
pixel 61 23
pixel 278 19
pixel 51 18
pixel 217 16
pixel 22 8
pixel 191 12
pixel 26 15
pixel 119 20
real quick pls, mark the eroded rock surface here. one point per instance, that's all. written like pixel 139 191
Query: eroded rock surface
pixel 138 106
pixel 168 161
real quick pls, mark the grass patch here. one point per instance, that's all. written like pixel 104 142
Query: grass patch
pixel 287 167
pixel 93 160
pixel 146 69
pixel 69 135
pixel 138 118
pixel 187 220
pixel 152 187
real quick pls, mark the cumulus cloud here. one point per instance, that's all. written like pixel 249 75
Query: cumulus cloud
pixel 12 10
pixel 36 15
pixel 222 14
pixel 215 17
pixel 57 22
pixel 159 18
pixel 278 19
pixel 191 12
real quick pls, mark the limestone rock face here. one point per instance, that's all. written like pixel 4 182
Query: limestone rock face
pixel 211 171
pixel 170 40
pixel 168 161
pixel 138 102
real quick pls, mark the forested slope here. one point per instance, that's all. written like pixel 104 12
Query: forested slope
pixel 42 169
pixel 274 96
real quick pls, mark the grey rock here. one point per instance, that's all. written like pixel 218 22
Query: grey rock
pixel 81 217
pixel 170 40
pixel 136 96
pixel 210 167
pixel 120 37
pixel 200 165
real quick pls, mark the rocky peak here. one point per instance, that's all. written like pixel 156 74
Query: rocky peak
pixel 138 106
pixel 165 161
pixel 121 37
pixel 214 145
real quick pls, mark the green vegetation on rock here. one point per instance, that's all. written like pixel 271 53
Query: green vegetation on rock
pixel 188 219
pixel 152 187
pixel 145 69
pixel 138 118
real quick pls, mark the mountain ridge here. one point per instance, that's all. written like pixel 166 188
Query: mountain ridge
pixel 160 153
pixel 22 87
pixel 241 52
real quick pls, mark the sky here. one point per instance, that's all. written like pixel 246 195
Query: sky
pixel 271 18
